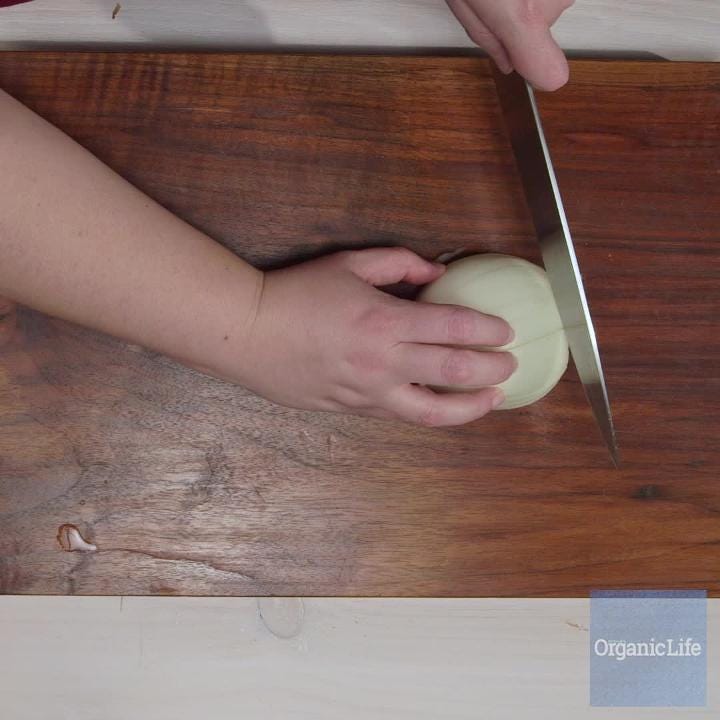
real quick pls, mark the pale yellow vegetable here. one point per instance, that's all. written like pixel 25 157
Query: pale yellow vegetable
pixel 519 292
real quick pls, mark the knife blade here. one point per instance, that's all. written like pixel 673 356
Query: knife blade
pixel 532 157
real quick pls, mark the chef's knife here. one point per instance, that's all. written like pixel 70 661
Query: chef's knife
pixel 522 118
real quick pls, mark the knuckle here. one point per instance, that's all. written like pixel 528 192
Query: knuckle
pixel 349 398
pixel 431 415
pixel 402 253
pixel 379 321
pixel 530 12
pixel 507 363
pixel 460 326
pixel 342 257
pixel 366 362
pixel 399 255
pixel 479 36
pixel 457 368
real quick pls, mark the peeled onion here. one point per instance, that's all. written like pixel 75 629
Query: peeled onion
pixel 519 292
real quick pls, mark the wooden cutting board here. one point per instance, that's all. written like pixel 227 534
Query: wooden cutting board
pixel 187 485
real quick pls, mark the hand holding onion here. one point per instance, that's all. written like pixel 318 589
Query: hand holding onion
pixel 519 292
pixel 325 338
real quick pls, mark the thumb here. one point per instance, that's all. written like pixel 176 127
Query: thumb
pixel 532 48
pixel 384 266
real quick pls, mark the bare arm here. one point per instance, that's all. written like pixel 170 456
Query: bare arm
pixel 79 242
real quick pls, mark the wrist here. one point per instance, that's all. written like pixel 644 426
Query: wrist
pixel 220 345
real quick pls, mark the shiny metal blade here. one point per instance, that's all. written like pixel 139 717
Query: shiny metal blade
pixel 543 197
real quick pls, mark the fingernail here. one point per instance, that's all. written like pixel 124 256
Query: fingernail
pixel 514 361
pixel 498 399
pixel 511 336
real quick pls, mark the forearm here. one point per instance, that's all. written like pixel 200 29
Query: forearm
pixel 79 242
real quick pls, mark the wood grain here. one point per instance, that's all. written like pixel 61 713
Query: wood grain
pixel 191 486
pixel 359 659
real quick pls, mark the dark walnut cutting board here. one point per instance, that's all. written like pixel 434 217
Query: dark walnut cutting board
pixel 191 486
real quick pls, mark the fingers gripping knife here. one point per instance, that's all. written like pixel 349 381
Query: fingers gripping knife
pixel 522 118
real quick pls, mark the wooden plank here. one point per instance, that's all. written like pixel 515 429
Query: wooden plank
pixel 180 658
pixel 676 29
pixel 191 486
